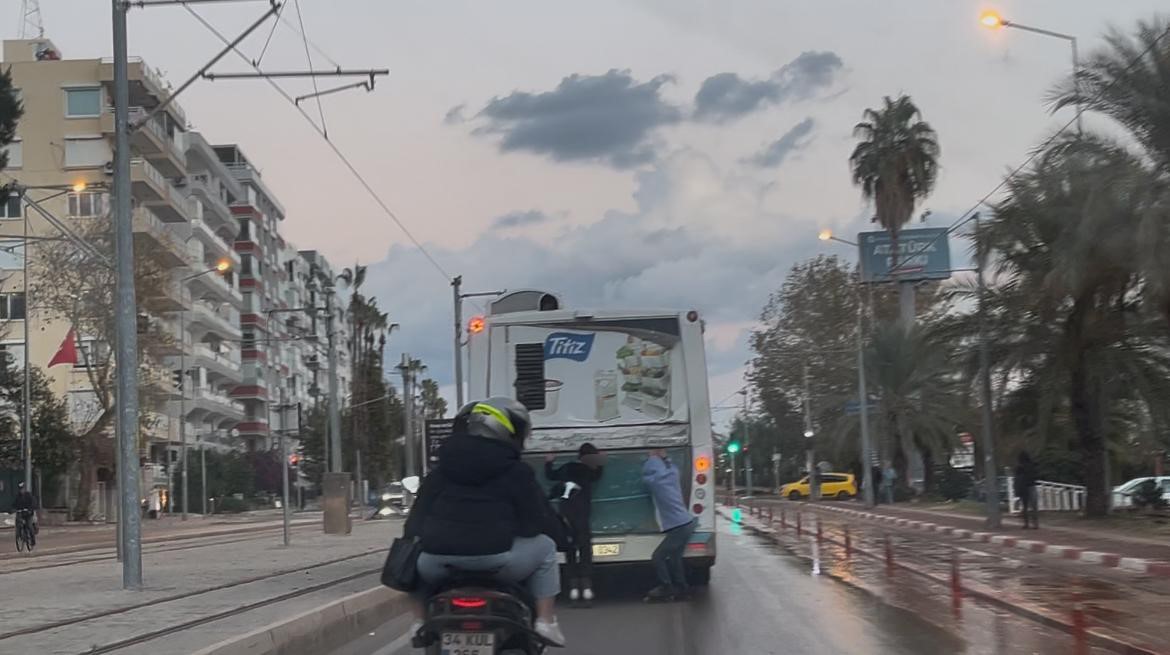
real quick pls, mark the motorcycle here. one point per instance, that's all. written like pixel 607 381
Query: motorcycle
pixel 475 615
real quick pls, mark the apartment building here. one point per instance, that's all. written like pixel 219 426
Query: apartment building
pixel 284 338
pixel 245 348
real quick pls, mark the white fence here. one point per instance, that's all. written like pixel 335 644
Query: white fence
pixel 1052 497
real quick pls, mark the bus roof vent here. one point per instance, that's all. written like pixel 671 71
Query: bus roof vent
pixel 525 300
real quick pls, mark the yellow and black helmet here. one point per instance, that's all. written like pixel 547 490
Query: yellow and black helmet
pixel 496 418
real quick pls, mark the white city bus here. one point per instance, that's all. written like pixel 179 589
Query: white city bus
pixel 625 381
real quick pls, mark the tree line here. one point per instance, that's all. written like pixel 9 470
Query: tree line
pixel 1077 305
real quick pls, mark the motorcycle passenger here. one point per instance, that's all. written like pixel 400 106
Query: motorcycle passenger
pixel 481 509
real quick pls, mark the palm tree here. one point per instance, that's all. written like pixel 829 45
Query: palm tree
pixel 1075 325
pixel 434 406
pixel 896 161
pixel 921 402
pixel 1129 81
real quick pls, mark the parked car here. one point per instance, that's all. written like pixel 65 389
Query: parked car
pixel 833 485
pixel 1123 494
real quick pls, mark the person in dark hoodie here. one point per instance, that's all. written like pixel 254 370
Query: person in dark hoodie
pixel 1024 484
pixel 576 499
pixel 482 509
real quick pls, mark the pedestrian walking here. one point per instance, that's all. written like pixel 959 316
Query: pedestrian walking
pixel 661 476
pixel 575 491
pixel 875 475
pixel 1024 485
pixel 889 476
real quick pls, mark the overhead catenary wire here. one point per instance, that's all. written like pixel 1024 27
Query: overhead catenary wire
pixel 271 32
pixel 336 151
pixel 309 57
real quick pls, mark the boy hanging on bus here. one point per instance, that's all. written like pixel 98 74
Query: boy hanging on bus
pixel 576 499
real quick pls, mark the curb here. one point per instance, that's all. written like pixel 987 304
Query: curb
pixel 987 594
pixel 318 630
pixel 1108 560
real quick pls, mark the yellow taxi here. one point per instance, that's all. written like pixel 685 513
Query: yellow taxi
pixel 842 486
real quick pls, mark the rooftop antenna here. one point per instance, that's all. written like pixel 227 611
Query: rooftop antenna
pixel 31 24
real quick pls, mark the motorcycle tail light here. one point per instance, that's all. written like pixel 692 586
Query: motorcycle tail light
pixel 468 603
pixel 471 625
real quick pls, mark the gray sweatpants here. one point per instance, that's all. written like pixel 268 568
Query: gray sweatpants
pixel 532 561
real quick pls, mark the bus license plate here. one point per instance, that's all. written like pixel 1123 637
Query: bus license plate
pixel 468 643
pixel 606 550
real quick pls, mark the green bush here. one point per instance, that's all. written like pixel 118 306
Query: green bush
pixel 953 484
pixel 231 505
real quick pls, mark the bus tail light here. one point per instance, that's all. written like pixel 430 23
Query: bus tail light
pixel 698 508
pixel 701 478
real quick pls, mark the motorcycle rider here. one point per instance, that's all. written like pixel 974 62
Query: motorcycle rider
pixel 481 509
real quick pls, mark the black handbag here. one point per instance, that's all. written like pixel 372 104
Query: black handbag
pixel 401 568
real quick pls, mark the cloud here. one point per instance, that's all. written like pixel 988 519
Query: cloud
pixel 520 219
pixel 697 238
pixel 455 115
pixel 794 140
pixel 727 96
pixel 606 118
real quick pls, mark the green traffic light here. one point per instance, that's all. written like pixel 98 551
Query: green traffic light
pixel 733 447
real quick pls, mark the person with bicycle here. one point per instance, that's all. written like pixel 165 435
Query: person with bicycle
pixel 23 506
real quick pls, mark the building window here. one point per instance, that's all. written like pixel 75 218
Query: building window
pixel 87 353
pixel 11 254
pixel 15 152
pixel 245 264
pixel 12 306
pixel 83 102
pixel 10 207
pixel 87 152
pixel 87 204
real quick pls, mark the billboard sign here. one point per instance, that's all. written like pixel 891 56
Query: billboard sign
pixel 603 373
pixel 923 254
pixel 435 432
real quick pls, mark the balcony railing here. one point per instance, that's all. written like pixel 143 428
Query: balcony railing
pixel 224 356
pixel 218 397
pixel 201 226
pixel 225 317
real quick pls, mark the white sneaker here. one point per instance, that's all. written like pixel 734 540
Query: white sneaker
pixel 587 594
pixel 574 594
pixel 550 631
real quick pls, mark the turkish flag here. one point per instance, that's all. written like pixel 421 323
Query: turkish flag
pixel 67 353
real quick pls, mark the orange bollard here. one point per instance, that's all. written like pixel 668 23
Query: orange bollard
pixel 820 535
pixel 1080 627
pixel 956 583
pixel 799 530
pixel 848 544
pixel 889 555
pixel 783 519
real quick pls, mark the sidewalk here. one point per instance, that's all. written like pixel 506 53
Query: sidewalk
pixel 235 587
pixel 1087 544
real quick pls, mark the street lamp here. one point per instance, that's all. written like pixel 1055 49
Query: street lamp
pixel 994 20
pixel 459 297
pixel 222 266
pixel 862 391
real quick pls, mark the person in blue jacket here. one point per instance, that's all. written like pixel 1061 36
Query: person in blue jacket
pixel 663 480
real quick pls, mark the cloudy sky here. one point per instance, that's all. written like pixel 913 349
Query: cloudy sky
pixel 677 153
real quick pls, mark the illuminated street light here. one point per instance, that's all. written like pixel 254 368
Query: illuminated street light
pixel 991 19
pixel 80 186
pixel 223 265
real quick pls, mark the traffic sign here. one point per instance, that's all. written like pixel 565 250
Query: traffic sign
pixel 922 254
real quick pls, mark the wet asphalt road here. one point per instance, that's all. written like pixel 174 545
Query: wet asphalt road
pixel 764 599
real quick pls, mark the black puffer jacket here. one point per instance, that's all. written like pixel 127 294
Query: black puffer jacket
pixel 480 498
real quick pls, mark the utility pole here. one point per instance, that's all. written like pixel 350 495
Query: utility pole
pixel 456 286
pixel 203 472
pixel 990 475
pixel 28 482
pixel 334 409
pixel 814 488
pixel 183 402
pixel 776 470
pixel 747 457
pixel 284 468
pixel 863 397
pixel 407 413
pixel 125 311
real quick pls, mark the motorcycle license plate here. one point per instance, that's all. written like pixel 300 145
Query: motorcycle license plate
pixel 607 550
pixel 468 643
